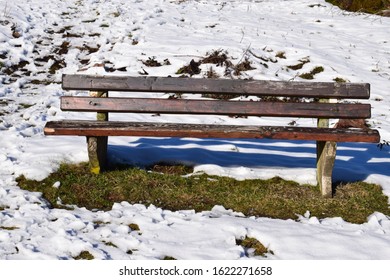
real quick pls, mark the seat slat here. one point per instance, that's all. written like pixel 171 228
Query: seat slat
pixel 99 128
pixel 220 86
pixel 216 107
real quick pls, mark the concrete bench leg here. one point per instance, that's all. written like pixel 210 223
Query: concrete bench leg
pixel 326 155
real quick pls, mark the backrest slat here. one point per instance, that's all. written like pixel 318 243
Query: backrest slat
pixel 219 86
pixel 216 107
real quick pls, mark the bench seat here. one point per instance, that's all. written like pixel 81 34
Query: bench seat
pixel 115 128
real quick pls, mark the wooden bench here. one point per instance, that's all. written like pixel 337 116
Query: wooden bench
pixel 304 100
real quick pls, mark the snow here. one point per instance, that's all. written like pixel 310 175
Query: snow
pixel 355 47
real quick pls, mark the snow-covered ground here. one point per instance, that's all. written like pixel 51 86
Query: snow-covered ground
pixel 41 39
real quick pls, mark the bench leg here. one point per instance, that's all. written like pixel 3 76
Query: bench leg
pixel 326 155
pixel 97 153
pixel 97 146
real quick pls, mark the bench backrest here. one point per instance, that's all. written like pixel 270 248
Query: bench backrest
pixel 296 108
pixel 220 86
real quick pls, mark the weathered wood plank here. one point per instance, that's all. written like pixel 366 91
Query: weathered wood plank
pixel 98 128
pixel 216 107
pixel 221 86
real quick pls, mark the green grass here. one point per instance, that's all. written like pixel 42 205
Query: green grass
pixel 164 186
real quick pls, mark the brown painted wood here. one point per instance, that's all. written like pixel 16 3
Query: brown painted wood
pixel 216 107
pixel 99 128
pixel 221 86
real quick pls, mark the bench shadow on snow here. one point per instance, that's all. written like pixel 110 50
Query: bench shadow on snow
pixel 354 161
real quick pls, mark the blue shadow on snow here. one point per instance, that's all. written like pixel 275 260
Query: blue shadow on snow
pixel 354 161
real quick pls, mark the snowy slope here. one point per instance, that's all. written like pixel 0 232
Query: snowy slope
pixel 41 39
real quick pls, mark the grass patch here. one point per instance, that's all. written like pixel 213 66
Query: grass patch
pixel 41 82
pixel 299 65
pixel 340 80
pixel 169 258
pixel 310 75
pixel 275 198
pixel 366 6
pixel 14 68
pixel 243 66
pixel 25 105
pixel 72 35
pixel 109 243
pixel 254 245
pixel 152 62
pixel 217 57
pixel 84 255
pixel 57 65
pixel 281 55
pixel 191 69
pixel 134 227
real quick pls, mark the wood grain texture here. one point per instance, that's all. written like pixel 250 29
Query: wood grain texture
pixel 216 107
pixel 99 128
pixel 221 86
